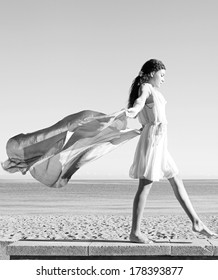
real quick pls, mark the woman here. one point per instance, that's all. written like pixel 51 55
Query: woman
pixel 152 160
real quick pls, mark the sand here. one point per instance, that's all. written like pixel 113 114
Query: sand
pixel 97 227
pixel 100 211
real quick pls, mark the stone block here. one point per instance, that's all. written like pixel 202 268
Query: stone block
pixel 214 243
pixel 128 249
pixel 3 250
pixel 198 247
pixel 48 248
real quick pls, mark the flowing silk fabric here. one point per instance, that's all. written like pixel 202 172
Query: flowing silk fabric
pixel 52 155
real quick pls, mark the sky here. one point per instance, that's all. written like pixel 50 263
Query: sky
pixel 59 57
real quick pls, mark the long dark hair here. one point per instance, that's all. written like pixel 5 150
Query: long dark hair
pixel 152 65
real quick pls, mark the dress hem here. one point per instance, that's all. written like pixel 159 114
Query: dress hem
pixel 155 180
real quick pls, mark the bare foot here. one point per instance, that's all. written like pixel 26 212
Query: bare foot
pixel 139 238
pixel 203 230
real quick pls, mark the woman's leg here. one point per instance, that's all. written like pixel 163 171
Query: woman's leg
pixel 183 198
pixel 138 207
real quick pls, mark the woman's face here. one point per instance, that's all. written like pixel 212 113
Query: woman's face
pixel 157 78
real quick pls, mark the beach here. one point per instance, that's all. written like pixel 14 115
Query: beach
pixel 100 210
pixel 97 227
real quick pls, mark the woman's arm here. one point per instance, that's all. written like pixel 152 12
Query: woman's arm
pixel 140 102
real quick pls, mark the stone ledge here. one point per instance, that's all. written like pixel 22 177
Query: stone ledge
pixel 128 249
pixel 103 248
pixel 214 243
pixel 48 248
pixel 196 248
pixel 3 250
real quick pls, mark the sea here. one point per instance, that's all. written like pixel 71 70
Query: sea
pixel 102 197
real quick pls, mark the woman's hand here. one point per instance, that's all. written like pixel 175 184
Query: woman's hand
pixel 131 113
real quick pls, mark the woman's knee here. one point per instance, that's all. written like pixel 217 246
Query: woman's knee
pixel 145 185
pixel 174 179
pixel 144 181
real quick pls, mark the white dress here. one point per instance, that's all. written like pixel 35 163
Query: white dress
pixel 152 159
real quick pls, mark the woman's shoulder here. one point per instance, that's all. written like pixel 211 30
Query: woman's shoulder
pixel 146 88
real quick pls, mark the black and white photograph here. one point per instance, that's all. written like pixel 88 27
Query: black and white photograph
pixel 109 140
